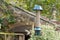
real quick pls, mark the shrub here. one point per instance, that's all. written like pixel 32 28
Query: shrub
pixel 48 33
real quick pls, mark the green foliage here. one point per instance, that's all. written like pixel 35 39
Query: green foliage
pixel 48 33
pixel 1 20
pixel 3 27
pixel 11 20
pixel 7 16
pixel 46 4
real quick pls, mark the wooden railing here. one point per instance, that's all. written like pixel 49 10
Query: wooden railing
pixel 11 36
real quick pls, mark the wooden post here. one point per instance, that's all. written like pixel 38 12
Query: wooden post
pixel 54 15
pixel 32 28
pixel 9 37
pixel 5 36
pixel 21 37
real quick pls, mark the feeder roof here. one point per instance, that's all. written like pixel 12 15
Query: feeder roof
pixel 38 7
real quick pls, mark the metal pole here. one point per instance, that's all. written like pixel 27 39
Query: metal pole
pixel 37 23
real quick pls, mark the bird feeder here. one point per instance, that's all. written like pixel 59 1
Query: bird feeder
pixel 37 28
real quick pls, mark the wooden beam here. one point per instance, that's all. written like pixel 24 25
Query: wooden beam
pixel 34 15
